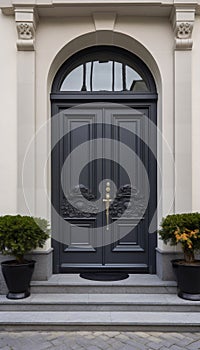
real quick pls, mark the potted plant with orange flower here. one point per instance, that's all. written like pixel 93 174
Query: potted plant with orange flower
pixel 184 229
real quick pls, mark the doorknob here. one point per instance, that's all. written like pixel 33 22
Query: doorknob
pixel 107 200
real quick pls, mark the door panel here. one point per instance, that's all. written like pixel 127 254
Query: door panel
pixel 132 248
pixel 80 192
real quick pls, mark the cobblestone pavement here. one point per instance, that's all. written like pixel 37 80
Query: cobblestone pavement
pixel 99 341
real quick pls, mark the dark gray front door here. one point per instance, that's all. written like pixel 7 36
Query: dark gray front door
pixel 103 150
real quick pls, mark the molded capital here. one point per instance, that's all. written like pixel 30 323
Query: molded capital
pixel 183 21
pixel 26 21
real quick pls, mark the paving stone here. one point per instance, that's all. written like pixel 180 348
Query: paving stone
pixel 142 334
pixel 167 336
pixel 117 345
pixel 155 334
pixel 136 337
pixel 15 343
pixel 122 337
pixel 57 341
pixel 90 336
pixel 176 335
pixel 135 344
pixel 45 345
pixel 104 337
pixel 58 347
pixel 83 342
pixel 33 336
pixel 154 339
pixel 51 336
pixel 192 335
pixel 175 347
pixel 167 340
pixel 71 343
pixel 74 346
pixel 113 341
pixel 155 346
pixel 128 347
pixel 99 341
pixel 111 334
pixel 41 346
pixel 185 341
pixel 194 346
pixel 3 342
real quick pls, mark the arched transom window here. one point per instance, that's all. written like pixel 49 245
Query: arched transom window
pixel 104 75
pixel 104 69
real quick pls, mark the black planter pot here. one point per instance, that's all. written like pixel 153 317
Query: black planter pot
pixel 18 277
pixel 188 279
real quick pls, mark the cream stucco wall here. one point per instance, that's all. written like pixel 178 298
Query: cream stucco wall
pixel 151 38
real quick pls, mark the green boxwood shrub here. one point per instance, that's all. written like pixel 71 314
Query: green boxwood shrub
pixel 21 234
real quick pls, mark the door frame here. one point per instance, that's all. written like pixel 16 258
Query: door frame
pixel 151 104
pixel 62 99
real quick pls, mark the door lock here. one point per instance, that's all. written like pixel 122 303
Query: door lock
pixel 107 201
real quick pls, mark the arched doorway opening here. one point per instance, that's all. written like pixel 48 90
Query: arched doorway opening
pixel 103 93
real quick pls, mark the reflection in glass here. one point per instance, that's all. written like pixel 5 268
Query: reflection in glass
pixel 104 75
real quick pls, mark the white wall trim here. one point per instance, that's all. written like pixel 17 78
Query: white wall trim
pixel 183 18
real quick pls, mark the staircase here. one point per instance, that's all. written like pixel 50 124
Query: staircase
pixel 68 302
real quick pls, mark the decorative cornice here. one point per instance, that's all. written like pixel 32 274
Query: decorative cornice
pixel 183 21
pixel 26 22
pixel 86 7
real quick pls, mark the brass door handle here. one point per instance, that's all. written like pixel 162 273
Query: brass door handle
pixel 107 201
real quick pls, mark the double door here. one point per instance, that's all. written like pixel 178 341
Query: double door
pixel 103 188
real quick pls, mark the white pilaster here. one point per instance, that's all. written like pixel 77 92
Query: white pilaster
pixel 26 20
pixel 183 20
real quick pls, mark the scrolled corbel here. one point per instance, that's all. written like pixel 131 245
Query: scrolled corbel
pixel 183 22
pixel 26 21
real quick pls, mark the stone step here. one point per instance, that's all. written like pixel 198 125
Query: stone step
pixel 81 321
pixel 73 283
pixel 100 302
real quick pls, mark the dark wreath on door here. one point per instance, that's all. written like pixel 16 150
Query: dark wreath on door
pixel 101 93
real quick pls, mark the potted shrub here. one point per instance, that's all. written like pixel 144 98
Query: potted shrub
pixel 184 229
pixel 18 236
